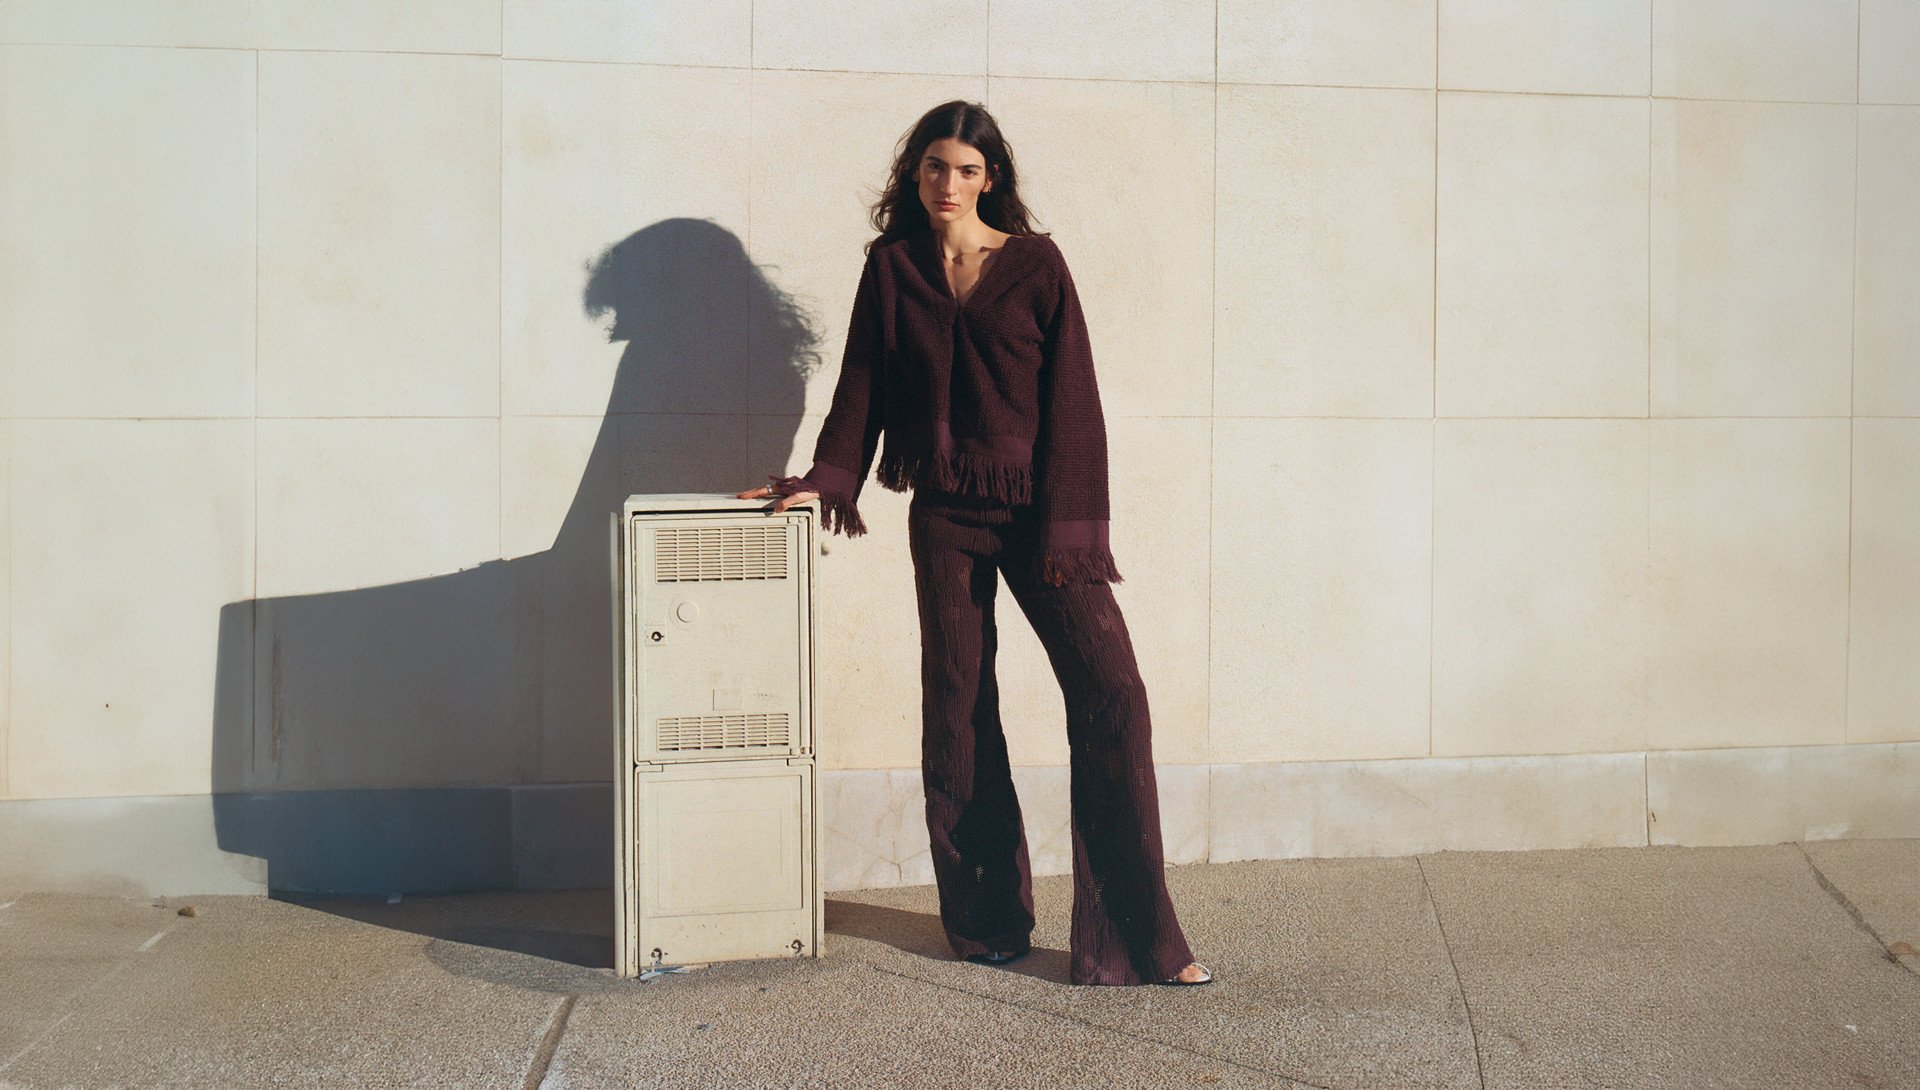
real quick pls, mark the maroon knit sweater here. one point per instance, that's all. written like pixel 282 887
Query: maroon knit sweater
pixel 993 398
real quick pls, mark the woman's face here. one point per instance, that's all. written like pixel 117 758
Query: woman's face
pixel 952 177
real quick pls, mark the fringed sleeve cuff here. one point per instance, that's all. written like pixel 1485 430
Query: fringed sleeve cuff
pixel 1076 551
pixel 837 488
pixel 1063 567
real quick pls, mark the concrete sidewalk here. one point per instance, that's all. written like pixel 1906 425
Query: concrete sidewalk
pixel 1790 965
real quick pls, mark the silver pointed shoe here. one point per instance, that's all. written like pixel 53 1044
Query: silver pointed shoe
pixel 1206 977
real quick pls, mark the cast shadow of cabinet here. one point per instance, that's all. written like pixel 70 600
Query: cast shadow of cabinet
pixel 392 738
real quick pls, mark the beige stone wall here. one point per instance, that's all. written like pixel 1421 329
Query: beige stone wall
pixel 1484 379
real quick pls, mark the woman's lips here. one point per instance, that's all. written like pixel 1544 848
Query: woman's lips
pixel 948 204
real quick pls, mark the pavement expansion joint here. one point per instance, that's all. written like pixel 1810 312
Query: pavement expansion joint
pixel 30 1045
pixel 1426 887
pixel 549 1043
pixel 77 1002
pixel 1100 1027
pixel 1859 918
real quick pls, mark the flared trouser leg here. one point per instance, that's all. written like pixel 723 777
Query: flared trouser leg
pixel 975 833
pixel 1124 929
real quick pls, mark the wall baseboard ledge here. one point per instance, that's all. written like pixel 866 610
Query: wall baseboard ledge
pixel 873 832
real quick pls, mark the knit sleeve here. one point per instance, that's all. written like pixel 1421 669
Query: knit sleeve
pixel 844 451
pixel 1070 455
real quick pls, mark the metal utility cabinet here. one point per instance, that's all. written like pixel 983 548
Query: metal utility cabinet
pixel 716 839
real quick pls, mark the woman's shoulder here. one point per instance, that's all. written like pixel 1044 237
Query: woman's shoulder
pixel 1033 259
pixel 1044 257
pixel 1041 244
pixel 881 245
pixel 902 245
pixel 884 252
pixel 1045 264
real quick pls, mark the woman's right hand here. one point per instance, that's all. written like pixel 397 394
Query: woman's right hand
pixel 789 490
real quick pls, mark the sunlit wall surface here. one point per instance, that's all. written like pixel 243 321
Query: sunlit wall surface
pixel 1514 407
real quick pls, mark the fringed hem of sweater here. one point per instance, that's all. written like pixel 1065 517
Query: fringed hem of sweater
pixel 1077 564
pixel 1060 566
pixel 962 472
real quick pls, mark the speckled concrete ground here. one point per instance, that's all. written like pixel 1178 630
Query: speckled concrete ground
pixel 1790 965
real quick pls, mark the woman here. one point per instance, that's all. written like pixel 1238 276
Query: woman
pixel 968 349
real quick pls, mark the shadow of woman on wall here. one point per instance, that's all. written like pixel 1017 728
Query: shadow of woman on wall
pixel 396 738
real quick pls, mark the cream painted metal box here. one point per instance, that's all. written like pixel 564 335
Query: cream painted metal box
pixel 716 841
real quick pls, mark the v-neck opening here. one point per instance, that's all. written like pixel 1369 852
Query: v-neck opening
pixel 999 256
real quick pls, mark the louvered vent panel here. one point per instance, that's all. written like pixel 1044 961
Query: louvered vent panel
pixel 742 731
pixel 719 553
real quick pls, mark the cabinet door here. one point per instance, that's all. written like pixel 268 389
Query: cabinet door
pixel 721 637
pixel 727 866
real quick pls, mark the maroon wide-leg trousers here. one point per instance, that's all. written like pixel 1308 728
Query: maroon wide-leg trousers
pixel 1124 930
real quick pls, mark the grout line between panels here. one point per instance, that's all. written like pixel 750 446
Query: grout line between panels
pixel 250 777
pixel 1433 405
pixel 1853 367
pixel 1213 388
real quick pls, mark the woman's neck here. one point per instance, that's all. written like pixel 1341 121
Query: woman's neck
pixel 967 237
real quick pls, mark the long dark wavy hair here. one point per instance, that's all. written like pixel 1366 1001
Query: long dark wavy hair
pixel 899 212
